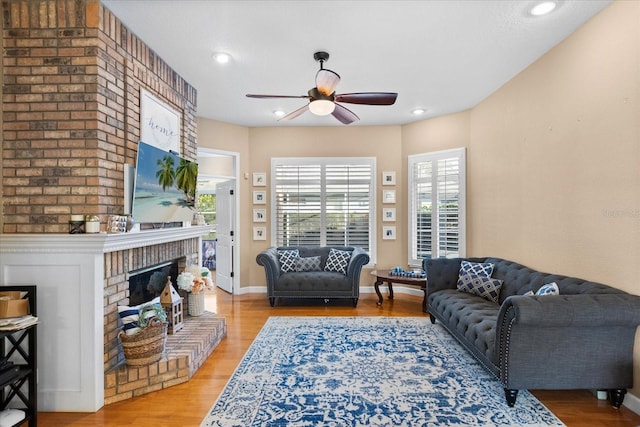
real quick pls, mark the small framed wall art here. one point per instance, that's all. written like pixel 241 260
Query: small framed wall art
pixel 388 178
pixel 389 232
pixel 259 215
pixel 259 197
pixel 388 196
pixel 259 233
pixel 259 179
pixel 388 214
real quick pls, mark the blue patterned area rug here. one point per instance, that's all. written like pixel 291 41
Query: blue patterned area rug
pixel 365 371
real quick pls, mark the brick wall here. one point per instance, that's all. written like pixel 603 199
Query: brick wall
pixel 72 75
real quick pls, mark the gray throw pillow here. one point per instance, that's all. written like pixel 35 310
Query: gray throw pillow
pixel 311 263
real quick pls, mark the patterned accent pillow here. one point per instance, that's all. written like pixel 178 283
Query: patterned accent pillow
pixel 131 315
pixel 484 287
pixel 548 289
pixel 478 268
pixel 311 263
pixel 337 261
pixel 288 259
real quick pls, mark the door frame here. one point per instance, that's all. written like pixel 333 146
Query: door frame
pixel 236 211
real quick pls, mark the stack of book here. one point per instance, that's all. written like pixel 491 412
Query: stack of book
pixel 16 323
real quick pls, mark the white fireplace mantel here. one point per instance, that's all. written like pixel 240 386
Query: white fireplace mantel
pixel 100 243
pixel 68 270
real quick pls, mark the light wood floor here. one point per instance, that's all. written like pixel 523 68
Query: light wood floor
pixel 187 404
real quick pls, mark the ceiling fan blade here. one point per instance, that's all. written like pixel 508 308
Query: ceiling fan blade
pixel 294 114
pixel 368 98
pixel 249 95
pixel 326 81
pixel 345 115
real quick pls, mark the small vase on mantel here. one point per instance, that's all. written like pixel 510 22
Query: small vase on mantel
pixel 195 303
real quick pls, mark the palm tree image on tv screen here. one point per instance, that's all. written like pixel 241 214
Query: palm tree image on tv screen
pixel 165 186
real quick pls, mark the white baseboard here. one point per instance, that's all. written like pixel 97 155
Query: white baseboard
pixel 632 402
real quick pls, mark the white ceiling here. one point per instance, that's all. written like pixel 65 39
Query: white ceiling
pixel 443 56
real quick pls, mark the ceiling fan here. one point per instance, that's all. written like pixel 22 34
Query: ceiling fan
pixel 324 101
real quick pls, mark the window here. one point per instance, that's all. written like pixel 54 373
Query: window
pixel 323 201
pixel 436 205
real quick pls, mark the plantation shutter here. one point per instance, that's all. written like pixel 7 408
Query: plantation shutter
pixel 298 205
pixel 323 202
pixel 437 205
pixel 348 190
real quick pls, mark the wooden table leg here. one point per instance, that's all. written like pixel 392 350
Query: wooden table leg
pixel 424 300
pixel 376 286
pixel 390 284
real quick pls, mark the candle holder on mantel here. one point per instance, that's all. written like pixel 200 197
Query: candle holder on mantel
pixel 172 304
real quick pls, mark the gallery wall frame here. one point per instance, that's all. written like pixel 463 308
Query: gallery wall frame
pixel 388 214
pixel 388 196
pixel 388 178
pixel 259 179
pixel 259 197
pixel 259 215
pixel 259 233
pixel 389 232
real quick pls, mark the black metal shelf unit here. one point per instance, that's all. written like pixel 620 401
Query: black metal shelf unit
pixel 18 381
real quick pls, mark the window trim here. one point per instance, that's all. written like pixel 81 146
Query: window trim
pixel 414 159
pixel 324 161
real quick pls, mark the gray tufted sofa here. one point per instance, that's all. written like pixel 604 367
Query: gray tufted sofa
pixel 580 339
pixel 313 284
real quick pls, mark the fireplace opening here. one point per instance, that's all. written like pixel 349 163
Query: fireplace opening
pixel 147 283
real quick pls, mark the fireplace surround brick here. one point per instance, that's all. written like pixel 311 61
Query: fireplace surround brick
pixel 72 75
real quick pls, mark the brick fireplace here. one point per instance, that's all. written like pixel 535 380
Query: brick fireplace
pixel 72 82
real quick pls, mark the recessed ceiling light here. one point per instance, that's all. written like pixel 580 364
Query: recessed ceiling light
pixel 543 8
pixel 279 113
pixel 418 111
pixel 221 57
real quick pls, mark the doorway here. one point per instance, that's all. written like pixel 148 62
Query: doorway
pixel 217 201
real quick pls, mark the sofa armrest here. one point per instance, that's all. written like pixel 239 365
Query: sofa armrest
pixel 269 260
pixel 580 310
pixel 359 258
pixel 552 341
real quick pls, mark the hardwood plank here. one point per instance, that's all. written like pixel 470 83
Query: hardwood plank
pixel 187 404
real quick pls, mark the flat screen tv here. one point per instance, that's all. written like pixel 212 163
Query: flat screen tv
pixel 164 187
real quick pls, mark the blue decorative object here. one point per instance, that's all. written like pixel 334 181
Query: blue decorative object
pixel 415 274
pixel 365 371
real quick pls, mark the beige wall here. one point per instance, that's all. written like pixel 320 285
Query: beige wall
pixel 555 157
pixel 232 138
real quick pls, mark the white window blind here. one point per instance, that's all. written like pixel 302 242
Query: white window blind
pixel 436 205
pixel 326 202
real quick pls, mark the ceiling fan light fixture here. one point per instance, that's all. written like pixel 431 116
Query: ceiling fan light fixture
pixel 322 107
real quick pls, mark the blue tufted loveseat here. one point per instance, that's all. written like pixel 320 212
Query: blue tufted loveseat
pixel 580 339
pixel 313 284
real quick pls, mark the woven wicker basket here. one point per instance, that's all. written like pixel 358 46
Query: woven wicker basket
pixel 147 346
